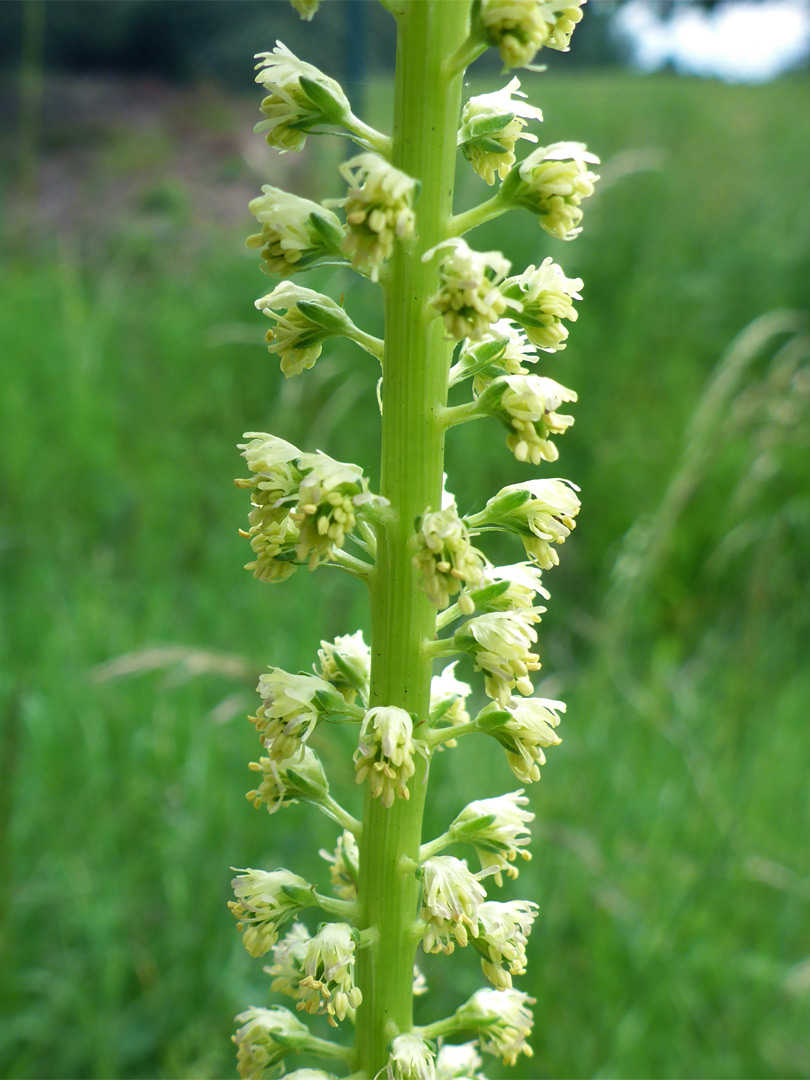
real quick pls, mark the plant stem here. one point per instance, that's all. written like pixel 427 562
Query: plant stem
pixel 416 365
pixel 478 215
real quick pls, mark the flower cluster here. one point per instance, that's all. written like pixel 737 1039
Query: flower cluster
pixel 385 752
pixel 264 1038
pixel 447 698
pixel 286 780
pixel 509 588
pixel 299 97
pixel 503 932
pixel 498 830
pixel 503 1019
pixel 309 319
pixel 520 28
pixel 526 404
pixel 291 707
pixel 469 298
pixel 524 728
pixel 328 983
pixel 552 182
pixel 289 954
pixel 411 1058
pixel 459 1062
pixel 344 866
pixel 378 209
pixel 491 125
pixel 540 512
pixel 295 233
pixel 503 350
pixel 346 664
pixel 265 902
pixel 451 899
pixel 444 555
pixel 543 297
pixel 500 642
pixel 303 506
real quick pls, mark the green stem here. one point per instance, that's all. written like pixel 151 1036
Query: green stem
pixel 335 811
pixel 460 414
pixel 371 344
pixel 369 137
pixel 478 215
pixel 324 1048
pixel 427 851
pixel 416 365
pixel 440 735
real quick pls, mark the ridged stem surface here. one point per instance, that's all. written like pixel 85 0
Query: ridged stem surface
pixel 416 365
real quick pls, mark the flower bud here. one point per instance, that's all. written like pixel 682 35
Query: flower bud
pixel 265 902
pixel 503 350
pixel 508 588
pixel 295 233
pixel 552 182
pixel 519 28
pixel 287 780
pixel 498 830
pixel 298 335
pixel 503 932
pixel 328 985
pixel 524 728
pixel 491 125
pixel 460 1062
pixel 445 557
pixel 544 297
pixel 329 496
pixel 287 969
pixel 346 664
pixel 448 696
pixel 378 209
pixel 385 753
pixel 411 1058
pixel 309 1074
pixel 500 643
pixel 306 9
pixel 265 1036
pixel 469 299
pixel 540 512
pixel 299 97
pixel 451 898
pixel 291 707
pixel 526 404
pixel 344 866
pixel 503 1022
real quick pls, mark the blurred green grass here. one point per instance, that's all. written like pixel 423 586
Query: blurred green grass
pixel 671 862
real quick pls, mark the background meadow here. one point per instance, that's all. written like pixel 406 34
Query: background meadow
pixel 671 862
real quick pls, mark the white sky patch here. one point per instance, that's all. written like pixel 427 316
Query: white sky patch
pixel 744 41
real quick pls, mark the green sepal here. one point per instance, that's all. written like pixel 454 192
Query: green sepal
pixel 445 707
pixel 524 319
pixel 331 321
pixel 483 143
pixel 305 789
pixel 507 504
pixel 491 722
pixel 329 107
pixel 285 556
pixel 468 829
pixel 332 237
pixel 485 125
pixel 348 673
pixel 302 897
pixel 481 597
